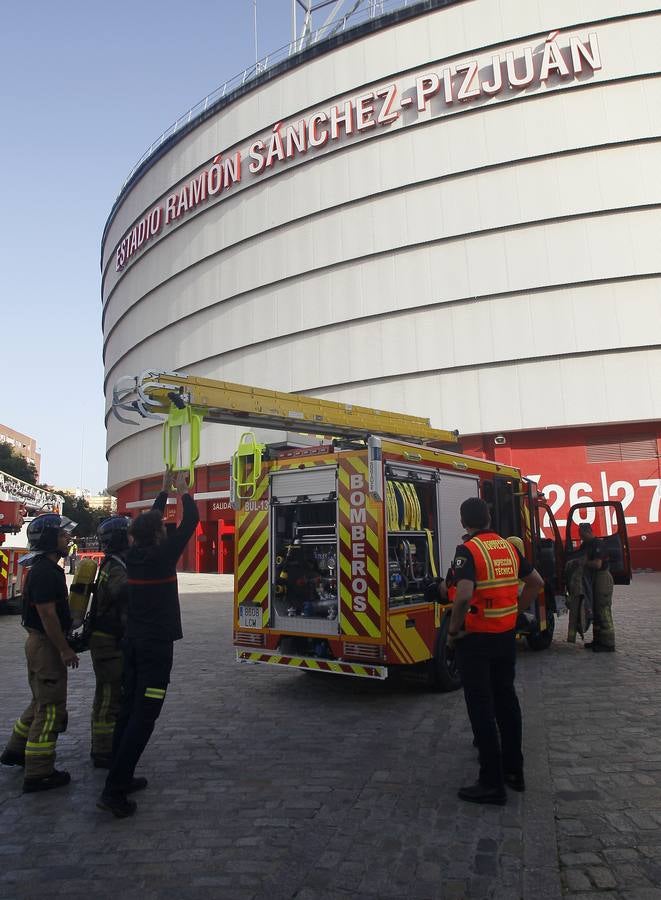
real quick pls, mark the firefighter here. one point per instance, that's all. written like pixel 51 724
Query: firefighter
pixel 106 627
pixel 579 597
pixel 73 557
pixel 483 633
pixel 597 569
pixel 47 620
pixel 153 624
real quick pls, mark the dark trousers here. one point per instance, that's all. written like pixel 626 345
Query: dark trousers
pixel 146 675
pixel 487 664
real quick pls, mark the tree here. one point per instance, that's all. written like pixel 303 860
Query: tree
pixel 78 509
pixel 14 464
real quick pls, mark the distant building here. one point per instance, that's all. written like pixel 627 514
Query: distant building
pixel 21 443
pixel 103 503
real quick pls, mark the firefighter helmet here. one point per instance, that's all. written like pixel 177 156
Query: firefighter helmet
pixel 113 534
pixel 43 532
pixel 518 543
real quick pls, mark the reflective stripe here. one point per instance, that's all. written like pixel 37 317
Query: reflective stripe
pixel 48 724
pixel 102 634
pixel 502 582
pixel 499 613
pixel 105 702
pixel 103 727
pixel 491 575
pixel 21 728
pixel 155 693
pixel 40 748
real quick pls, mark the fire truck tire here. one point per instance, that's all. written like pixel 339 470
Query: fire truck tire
pixel 542 640
pixel 442 672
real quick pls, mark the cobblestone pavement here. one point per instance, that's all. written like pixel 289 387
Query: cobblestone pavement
pixel 277 784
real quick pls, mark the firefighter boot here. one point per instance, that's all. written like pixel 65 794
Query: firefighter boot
pixel 480 793
pixel 46 782
pixel 12 758
pixel 118 804
pixel 137 784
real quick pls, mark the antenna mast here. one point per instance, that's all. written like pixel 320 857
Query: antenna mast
pixel 307 28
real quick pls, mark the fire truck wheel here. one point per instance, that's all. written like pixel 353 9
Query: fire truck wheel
pixel 442 672
pixel 542 640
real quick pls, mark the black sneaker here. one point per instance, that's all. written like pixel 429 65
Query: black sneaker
pixel 515 781
pixel 603 648
pixel 12 758
pixel 137 784
pixel 118 804
pixel 478 793
pixel 588 645
pixel 100 761
pixel 46 782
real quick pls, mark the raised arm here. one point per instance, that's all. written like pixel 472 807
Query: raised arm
pixel 176 541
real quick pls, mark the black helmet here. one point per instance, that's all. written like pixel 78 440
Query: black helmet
pixel 113 534
pixel 43 532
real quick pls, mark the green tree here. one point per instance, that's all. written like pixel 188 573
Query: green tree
pixel 14 464
pixel 78 509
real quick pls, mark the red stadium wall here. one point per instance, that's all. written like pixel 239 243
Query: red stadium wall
pixel 602 463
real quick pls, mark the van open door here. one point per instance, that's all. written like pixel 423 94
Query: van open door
pixel 606 517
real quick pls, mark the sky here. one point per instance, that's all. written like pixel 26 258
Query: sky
pixel 85 87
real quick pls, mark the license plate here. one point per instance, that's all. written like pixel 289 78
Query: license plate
pixel 250 616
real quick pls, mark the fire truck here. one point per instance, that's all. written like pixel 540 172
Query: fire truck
pixel 19 503
pixel 340 545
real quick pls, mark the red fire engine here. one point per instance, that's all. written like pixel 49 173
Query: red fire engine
pixel 339 546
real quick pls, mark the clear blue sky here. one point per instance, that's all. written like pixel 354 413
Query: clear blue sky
pixel 85 87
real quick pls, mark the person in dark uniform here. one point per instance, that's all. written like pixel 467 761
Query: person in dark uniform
pixel 482 630
pixel 106 626
pixel 597 569
pixel 153 624
pixel 47 620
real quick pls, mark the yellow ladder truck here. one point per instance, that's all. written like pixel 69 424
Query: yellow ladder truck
pixel 339 546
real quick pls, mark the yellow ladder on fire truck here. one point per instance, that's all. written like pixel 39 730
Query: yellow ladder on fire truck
pixel 187 400
pixel 154 394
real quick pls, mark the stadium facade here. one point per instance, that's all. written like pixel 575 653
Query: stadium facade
pixel 453 211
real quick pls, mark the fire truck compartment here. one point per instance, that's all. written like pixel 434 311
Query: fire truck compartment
pixel 304 553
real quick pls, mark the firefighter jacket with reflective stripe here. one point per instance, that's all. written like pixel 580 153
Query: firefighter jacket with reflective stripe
pixel 494 604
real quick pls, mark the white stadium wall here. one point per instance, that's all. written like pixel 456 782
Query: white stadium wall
pixel 485 254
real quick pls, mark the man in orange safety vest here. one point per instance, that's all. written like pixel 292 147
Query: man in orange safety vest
pixel 483 633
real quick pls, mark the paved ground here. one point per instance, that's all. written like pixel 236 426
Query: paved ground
pixel 276 784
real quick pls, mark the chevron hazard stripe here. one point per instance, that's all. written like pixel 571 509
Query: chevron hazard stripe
pixel 252 523
pixel 331 666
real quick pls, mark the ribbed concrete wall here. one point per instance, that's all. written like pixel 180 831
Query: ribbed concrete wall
pixel 493 264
